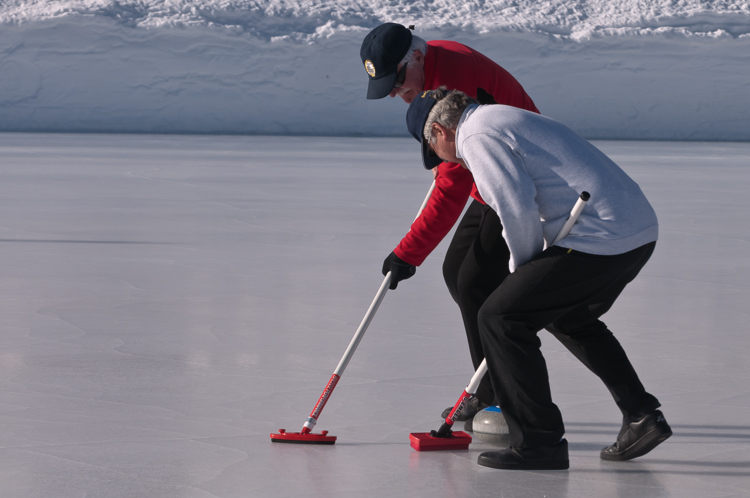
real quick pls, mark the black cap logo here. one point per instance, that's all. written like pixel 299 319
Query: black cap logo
pixel 370 68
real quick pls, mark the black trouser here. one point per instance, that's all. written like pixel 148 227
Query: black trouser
pixel 475 265
pixel 566 292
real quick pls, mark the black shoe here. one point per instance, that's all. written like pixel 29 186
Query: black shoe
pixel 473 406
pixel 553 457
pixel 638 438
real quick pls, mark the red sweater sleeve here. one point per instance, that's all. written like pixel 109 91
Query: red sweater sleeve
pixel 452 188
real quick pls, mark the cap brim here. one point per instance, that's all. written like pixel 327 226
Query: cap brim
pixel 429 158
pixel 381 87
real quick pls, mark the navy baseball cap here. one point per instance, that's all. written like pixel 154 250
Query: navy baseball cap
pixel 382 50
pixel 416 117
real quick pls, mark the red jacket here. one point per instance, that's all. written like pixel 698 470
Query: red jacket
pixel 459 68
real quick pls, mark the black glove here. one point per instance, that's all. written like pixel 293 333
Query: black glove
pixel 400 269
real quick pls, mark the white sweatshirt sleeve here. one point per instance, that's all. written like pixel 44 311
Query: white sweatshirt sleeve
pixel 503 182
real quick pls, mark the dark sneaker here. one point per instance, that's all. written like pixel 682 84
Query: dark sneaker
pixel 473 406
pixel 638 438
pixel 553 457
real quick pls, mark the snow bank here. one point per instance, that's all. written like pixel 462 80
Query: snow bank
pixel 632 69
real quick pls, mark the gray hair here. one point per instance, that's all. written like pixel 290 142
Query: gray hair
pixel 416 44
pixel 448 110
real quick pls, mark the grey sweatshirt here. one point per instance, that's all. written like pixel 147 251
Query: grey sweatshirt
pixel 531 169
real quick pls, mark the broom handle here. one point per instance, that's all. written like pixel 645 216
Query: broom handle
pixel 471 389
pixel 313 418
pixel 564 231
pixel 374 306
pixel 580 204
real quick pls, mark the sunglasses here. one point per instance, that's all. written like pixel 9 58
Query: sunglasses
pixel 401 76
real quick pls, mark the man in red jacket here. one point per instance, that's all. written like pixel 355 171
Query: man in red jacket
pixel 400 64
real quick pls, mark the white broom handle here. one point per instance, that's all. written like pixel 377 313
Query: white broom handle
pixel 363 326
pixel 564 231
pixel 373 307
pixel 477 378
pixel 426 198
pixel 580 203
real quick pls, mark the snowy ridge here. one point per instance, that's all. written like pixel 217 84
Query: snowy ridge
pixel 629 69
pixel 308 20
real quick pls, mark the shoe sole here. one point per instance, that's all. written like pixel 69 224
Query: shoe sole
pixel 645 444
pixel 555 465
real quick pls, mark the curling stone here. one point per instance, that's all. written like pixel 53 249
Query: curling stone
pixel 489 426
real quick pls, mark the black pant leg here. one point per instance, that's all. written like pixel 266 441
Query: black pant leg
pixel 475 264
pixel 536 295
pixel 589 339
pixel 463 238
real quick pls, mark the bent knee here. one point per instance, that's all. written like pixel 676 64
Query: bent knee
pixel 507 326
pixel 579 330
pixel 492 321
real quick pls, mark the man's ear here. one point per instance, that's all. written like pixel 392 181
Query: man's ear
pixel 435 130
pixel 417 56
pixel 438 128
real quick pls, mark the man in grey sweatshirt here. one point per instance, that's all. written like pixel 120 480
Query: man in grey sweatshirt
pixel 531 169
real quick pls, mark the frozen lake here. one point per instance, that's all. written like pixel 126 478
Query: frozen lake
pixel 168 301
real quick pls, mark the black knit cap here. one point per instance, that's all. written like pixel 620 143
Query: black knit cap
pixel 416 117
pixel 382 50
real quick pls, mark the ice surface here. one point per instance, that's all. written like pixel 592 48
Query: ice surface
pixel 631 69
pixel 170 301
